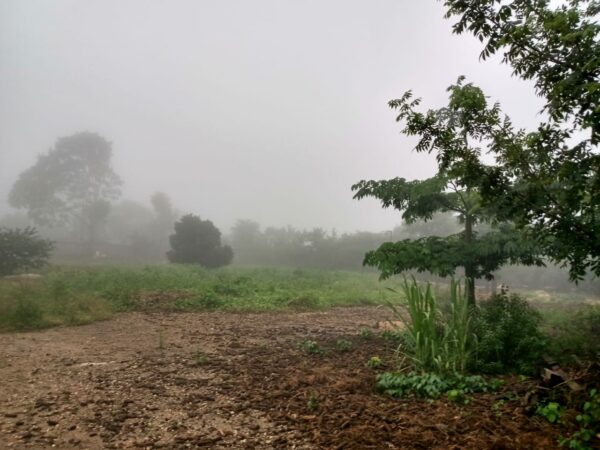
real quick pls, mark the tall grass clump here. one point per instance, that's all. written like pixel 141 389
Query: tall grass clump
pixel 435 343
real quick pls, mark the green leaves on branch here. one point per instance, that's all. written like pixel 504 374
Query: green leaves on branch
pixel 443 255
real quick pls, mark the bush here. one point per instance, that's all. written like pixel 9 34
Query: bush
pixel 508 338
pixel 198 241
pixel 22 249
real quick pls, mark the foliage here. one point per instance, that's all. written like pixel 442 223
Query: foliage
pixel 374 362
pixel 343 345
pixel 431 385
pixel 22 249
pixel 72 183
pixel 435 343
pixel 573 335
pixel 311 347
pixel 198 241
pixel 508 335
pixel 551 411
pixel 546 181
pixel 589 425
pixel 71 295
pixel 454 133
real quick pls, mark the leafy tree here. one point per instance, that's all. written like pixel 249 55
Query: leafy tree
pixel 72 183
pixel 455 133
pixel 198 241
pixel 22 249
pixel 547 181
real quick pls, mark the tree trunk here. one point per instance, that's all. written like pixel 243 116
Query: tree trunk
pixel 469 269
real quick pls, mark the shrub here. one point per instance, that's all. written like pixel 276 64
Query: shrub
pixel 22 249
pixel 198 241
pixel 508 335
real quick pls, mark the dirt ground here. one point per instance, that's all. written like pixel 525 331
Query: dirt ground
pixel 240 381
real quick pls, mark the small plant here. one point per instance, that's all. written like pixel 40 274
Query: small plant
pixel 552 412
pixel 457 396
pixel 161 339
pixel 200 357
pixel 311 347
pixel 365 333
pixel 313 401
pixel 588 435
pixel 343 345
pixel 431 385
pixel 374 362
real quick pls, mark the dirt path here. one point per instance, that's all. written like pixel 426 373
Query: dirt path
pixel 225 380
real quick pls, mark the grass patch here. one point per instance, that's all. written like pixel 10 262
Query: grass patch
pixel 79 295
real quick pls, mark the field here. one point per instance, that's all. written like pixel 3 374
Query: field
pixel 176 357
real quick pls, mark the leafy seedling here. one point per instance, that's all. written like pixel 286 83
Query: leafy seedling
pixel 343 346
pixel 311 347
pixel 374 362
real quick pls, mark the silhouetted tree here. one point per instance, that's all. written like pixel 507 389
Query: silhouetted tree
pixel 72 183
pixel 198 241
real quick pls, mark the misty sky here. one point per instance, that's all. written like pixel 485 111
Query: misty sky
pixel 266 109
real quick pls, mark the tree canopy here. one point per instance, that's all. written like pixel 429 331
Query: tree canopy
pixel 198 241
pixel 455 134
pixel 73 183
pixel 546 181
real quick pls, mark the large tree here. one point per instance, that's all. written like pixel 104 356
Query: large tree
pixel 71 184
pixel 455 134
pixel 547 181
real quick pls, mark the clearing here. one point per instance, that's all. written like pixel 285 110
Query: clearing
pixel 237 381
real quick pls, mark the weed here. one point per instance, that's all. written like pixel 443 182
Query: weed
pixel 365 333
pixel 313 401
pixel 374 362
pixel 161 339
pixel 431 385
pixel 551 411
pixel 311 347
pixel 200 358
pixel 343 345
pixel 457 396
pixel 589 425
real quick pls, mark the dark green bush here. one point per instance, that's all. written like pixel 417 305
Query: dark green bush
pixel 508 338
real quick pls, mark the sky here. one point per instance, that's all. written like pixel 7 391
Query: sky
pixel 266 110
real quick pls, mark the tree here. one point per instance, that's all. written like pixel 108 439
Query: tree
pixel 547 181
pixel 455 134
pixel 198 241
pixel 22 249
pixel 72 183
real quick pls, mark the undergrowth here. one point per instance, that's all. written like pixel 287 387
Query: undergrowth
pixel 78 295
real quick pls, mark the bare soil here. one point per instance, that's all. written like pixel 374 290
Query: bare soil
pixel 240 381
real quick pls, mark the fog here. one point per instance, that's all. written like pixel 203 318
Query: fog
pixel 265 110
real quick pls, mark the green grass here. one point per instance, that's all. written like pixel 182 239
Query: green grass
pixel 79 295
